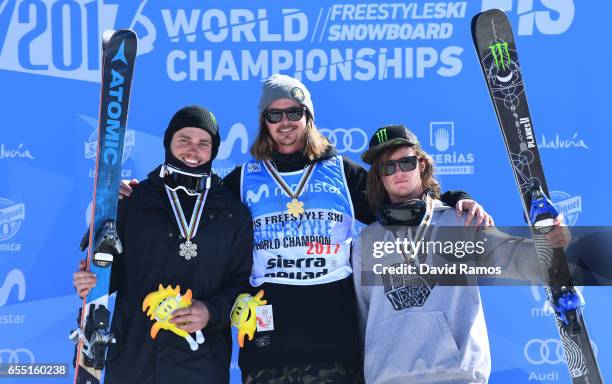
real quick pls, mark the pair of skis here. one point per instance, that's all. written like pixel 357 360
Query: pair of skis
pixel 93 335
pixel 499 61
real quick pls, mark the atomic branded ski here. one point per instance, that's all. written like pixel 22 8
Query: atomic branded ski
pixel 93 335
pixel 498 58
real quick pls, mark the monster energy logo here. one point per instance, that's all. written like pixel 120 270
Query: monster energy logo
pixel 501 55
pixel 381 136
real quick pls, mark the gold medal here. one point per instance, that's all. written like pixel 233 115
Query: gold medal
pixel 295 207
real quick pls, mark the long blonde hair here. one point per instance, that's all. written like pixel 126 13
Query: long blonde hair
pixel 315 143
pixel 375 189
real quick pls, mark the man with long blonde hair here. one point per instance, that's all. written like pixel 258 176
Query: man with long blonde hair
pixel 305 200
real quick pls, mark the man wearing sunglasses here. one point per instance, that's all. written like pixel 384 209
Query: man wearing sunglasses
pixel 305 200
pixel 418 327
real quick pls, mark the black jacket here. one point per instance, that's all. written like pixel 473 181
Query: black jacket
pixel 219 273
pixel 312 323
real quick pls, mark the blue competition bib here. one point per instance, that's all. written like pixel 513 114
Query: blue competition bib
pixel 308 248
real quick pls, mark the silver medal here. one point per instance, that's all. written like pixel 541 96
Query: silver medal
pixel 188 250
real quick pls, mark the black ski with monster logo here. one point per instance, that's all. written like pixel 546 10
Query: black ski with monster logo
pixel 499 61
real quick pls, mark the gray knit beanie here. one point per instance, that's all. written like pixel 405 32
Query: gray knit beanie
pixel 278 87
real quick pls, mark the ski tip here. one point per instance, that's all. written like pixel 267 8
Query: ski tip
pixel 110 34
pixel 123 44
pixel 126 34
pixel 488 14
pixel 490 26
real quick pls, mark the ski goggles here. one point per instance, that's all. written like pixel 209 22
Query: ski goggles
pixel 190 182
pixel 406 164
pixel 276 115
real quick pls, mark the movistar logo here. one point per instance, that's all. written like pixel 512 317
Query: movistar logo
pixel 381 136
pixel 501 55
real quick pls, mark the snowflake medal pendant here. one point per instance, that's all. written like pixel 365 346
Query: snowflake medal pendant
pixel 188 250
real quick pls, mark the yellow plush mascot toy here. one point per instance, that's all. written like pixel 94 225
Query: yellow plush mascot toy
pixel 244 316
pixel 161 304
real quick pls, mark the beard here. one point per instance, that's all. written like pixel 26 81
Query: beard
pixel 291 137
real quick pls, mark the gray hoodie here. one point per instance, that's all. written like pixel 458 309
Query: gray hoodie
pixel 414 331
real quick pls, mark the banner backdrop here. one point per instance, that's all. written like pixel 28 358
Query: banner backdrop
pixel 366 65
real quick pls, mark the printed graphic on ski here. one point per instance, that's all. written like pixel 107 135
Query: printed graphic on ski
pixel 499 62
pixel 93 335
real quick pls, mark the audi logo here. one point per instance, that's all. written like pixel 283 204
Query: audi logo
pixel 549 351
pixel 352 140
pixel 16 356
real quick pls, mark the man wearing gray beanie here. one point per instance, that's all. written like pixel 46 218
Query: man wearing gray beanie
pixel 303 227
pixel 180 229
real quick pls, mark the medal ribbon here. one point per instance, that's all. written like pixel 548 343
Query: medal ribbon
pixel 187 231
pixel 279 180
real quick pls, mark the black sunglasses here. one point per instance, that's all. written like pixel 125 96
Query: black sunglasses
pixel 276 115
pixel 406 164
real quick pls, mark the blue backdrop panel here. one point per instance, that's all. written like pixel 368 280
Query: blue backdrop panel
pixel 366 65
